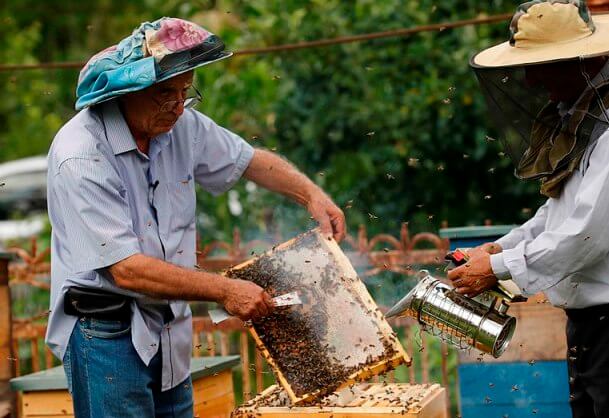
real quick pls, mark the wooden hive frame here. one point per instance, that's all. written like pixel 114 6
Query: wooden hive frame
pixel 363 400
pixel 400 356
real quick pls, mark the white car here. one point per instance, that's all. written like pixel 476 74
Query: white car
pixel 23 205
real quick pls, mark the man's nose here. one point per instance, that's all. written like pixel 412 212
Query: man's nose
pixel 179 107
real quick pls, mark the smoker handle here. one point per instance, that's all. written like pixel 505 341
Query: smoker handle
pixel 456 258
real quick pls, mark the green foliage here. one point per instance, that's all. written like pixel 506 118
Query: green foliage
pixel 397 126
pixel 25 109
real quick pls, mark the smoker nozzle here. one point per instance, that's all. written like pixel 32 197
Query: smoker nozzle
pixel 399 308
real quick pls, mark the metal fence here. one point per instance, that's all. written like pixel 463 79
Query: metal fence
pixel 384 262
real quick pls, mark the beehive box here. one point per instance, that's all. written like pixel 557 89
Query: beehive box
pixel 45 393
pixel 336 337
pixel 363 400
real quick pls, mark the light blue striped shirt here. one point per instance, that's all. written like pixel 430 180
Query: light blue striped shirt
pixel 108 201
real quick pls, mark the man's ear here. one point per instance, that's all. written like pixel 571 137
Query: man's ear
pixel 120 100
pixel 127 101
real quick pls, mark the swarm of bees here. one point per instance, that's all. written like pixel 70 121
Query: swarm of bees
pixel 296 337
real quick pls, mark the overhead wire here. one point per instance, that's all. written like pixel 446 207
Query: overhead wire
pixel 299 45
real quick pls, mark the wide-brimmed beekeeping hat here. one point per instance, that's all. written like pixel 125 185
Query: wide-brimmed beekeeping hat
pixel 547 88
pixel 549 30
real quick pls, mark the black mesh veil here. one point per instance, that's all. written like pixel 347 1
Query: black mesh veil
pixel 543 126
pixel 512 106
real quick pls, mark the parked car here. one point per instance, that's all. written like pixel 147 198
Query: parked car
pixel 23 201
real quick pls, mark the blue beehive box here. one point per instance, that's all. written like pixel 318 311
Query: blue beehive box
pixel 472 236
pixel 524 382
pixel 514 390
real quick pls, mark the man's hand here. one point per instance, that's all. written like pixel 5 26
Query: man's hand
pixel 475 276
pixel 491 247
pixel 246 300
pixel 330 217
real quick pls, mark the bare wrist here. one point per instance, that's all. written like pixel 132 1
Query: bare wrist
pixel 314 193
pixel 218 287
pixel 224 287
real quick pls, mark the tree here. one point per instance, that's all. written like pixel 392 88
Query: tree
pixel 396 125
pixel 394 129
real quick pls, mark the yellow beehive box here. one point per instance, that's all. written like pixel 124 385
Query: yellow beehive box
pixel 45 393
pixel 362 400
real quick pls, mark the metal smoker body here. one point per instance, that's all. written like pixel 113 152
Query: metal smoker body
pixel 480 322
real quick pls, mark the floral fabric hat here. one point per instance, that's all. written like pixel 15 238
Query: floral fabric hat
pixel 152 53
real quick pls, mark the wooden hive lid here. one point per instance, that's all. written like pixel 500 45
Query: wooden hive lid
pixel 363 399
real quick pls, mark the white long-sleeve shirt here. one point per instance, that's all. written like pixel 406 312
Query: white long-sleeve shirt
pixel 564 249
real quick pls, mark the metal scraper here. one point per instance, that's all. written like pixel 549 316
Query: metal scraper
pixel 288 299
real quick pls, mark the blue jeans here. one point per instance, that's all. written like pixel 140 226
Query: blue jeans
pixel 107 378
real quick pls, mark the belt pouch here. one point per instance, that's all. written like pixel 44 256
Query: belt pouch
pixel 96 303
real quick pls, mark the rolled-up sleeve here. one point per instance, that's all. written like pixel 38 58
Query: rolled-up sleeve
pixel 579 242
pixel 99 229
pixel 220 156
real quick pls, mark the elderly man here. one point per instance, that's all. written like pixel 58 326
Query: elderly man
pixel 549 91
pixel 121 191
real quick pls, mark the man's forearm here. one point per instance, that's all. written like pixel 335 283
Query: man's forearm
pixel 273 173
pixel 276 174
pixel 159 279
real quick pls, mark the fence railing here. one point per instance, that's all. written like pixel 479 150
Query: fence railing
pixel 371 256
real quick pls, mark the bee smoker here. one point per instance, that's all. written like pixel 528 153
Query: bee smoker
pixel 481 322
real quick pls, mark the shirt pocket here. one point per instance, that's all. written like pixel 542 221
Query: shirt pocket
pixel 182 202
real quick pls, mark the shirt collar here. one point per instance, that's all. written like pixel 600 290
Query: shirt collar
pixel 118 133
pixel 158 143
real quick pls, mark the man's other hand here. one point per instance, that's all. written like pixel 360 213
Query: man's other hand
pixel 491 247
pixel 475 276
pixel 330 217
pixel 246 300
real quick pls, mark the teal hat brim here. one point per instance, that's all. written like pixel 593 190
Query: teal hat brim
pixel 140 72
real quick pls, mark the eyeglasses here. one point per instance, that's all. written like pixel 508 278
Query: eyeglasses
pixel 193 98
